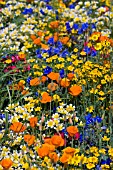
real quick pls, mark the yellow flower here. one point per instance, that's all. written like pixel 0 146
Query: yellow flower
pixel 90 109
pixel 83 53
pixel 70 68
pixel 105 138
pixel 103 151
pixel 94 37
pixel 103 81
pixel 92 159
pixel 90 165
pixel 101 93
pixel 75 50
pixel 8 61
pixel 25 165
pixel 56 97
pixel 110 152
pixel 98 46
pixel 105 166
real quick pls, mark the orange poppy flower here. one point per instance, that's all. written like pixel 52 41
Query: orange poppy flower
pixel 33 37
pixel 64 158
pixel 33 121
pixel 54 76
pixel 54 24
pixel 111 42
pixel 6 163
pixel 22 56
pixel 51 147
pixel 47 140
pixel 24 92
pixel 64 82
pixel 45 150
pixel 75 90
pixel 40 33
pixel 29 139
pixel 44 46
pixel 35 81
pixel 69 151
pixel 64 40
pixel 57 141
pixel 47 37
pixel 96 33
pixel 103 38
pixel 52 86
pixel 17 127
pixel 43 79
pixel 37 41
pixel 18 86
pixel 46 98
pixel 72 130
pixel 70 76
pixel 54 157
pixel 55 36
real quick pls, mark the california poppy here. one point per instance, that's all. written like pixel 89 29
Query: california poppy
pixel 54 24
pixel 54 157
pixel 69 151
pixel 55 36
pixel 64 40
pixel 35 81
pixel 6 163
pixel 33 121
pixel 43 79
pixel 75 90
pixel 64 82
pixel 64 158
pixel 57 141
pixel 54 76
pixel 52 86
pixel 17 127
pixel 46 98
pixel 47 37
pixel 70 76
pixel 44 46
pixel 72 130
pixel 37 41
pixel 29 139
pixel 45 150
pixel 40 33
pixel 33 37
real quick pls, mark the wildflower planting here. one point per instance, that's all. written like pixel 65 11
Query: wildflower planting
pixel 56 85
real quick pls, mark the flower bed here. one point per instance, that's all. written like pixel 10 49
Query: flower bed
pixel 56 69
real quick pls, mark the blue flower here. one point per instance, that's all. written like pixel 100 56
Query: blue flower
pixel 49 7
pixel 72 6
pixel 27 11
pixel 42 12
pixel 37 51
pixel 93 53
pixel 80 31
pixel 39 56
pixel 98 119
pixel 93 26
pixel 75 26
pixel 85 26
pixel 47 70
pixel 36 94
pixel 64 53
pixel 87 50
pixel 28 79
pixel 51 41
pixel 68 28
pixel 59 45
pixel 61 72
